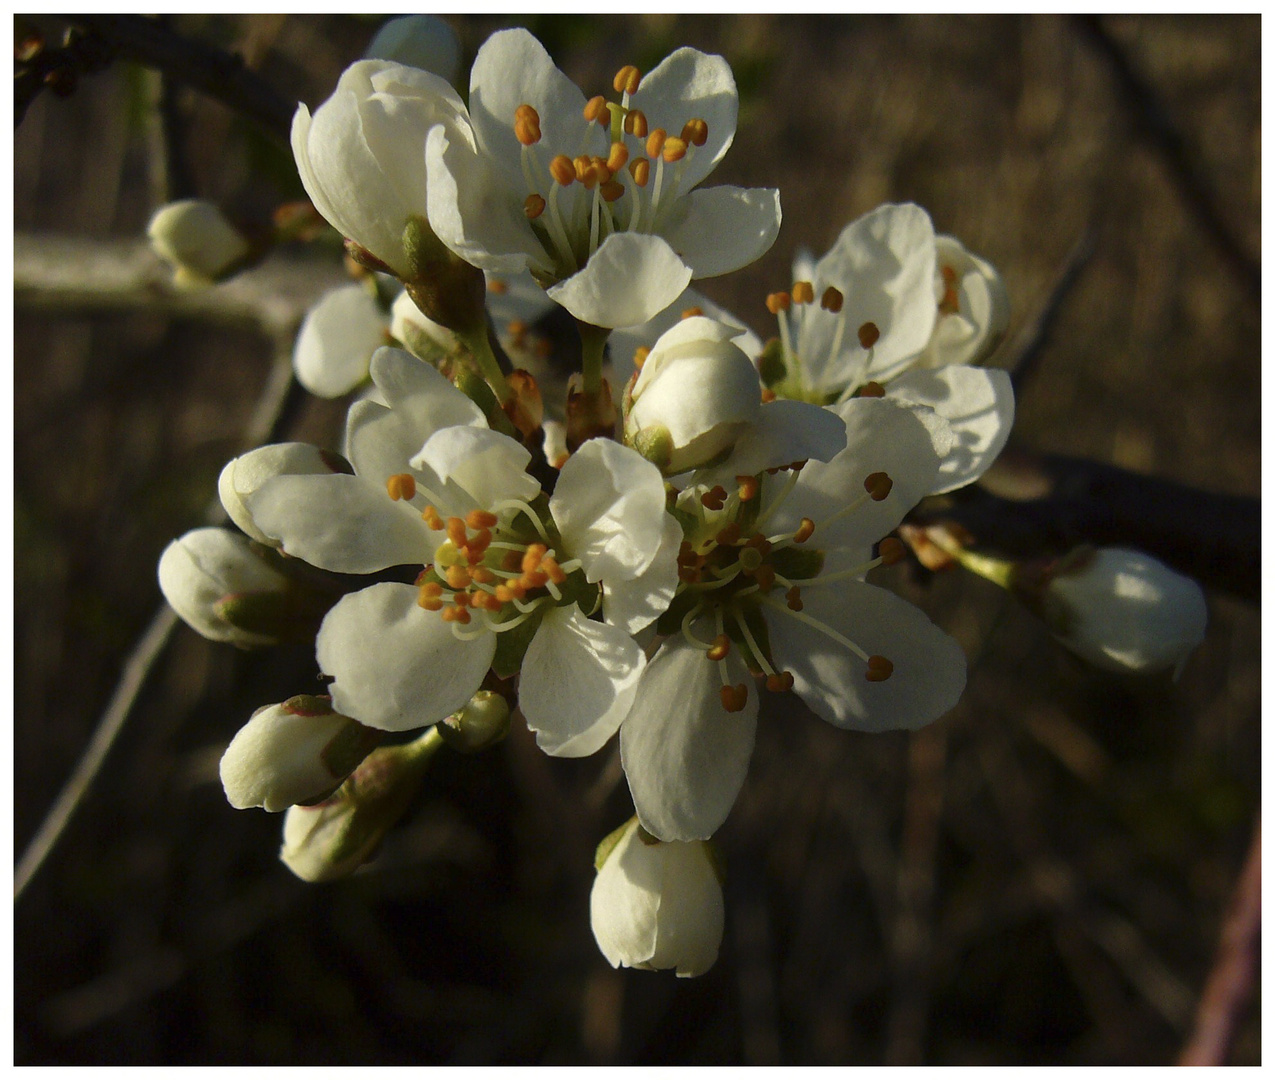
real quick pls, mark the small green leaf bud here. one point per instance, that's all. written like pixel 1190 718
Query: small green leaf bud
pixel 195 237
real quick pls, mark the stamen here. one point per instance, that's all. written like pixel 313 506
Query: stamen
pixel 752 643
pixel 674 150
pixel 635 124
pixel 891 550
pixel 801 616
pixel 879 669
pixel 692 312
pixel 481 519
pixel 689 618
pixel 871 389
pixel 793 597
pixel 803 292
pixel 714 499
pixel 627 80
pixel 777 302
pixel 869 335
pixel 596 109
pixel 655 143
pixel 729 535
pixel 720 647
pixel 734 698
pixel 518 504
pixel 401 486
pixel 534 206
pixel 563 170
pixel 527 125
pixel 832 300
pixel 640 170
pixel 458 577
pixel 695 132
pixel 618 157
pixel 454 614
pixel 878 485
pixel 780 682
pixel 805 532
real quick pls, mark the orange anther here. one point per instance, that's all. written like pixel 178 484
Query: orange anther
pixel 803 292
pixel 779 682
pixel 729 535
pixel 627 80
pixel 878 485
pixel 550 566
pixel 481 519
pixel 674 149
pixel 949 275
pixel 891 550
pixel 527 129
pixel 457 577
pixel 601 167
pixel 497 286
pixel 655 142
pixel 462 599
pixel 533 206
pixel 691 312
pixel 695 132
pixel 871 389
pixel 869 335
pixel 777 302
pixel 764 575
pixel 477 544
pixel 531 558
pixel 748 487
pixel 832 300
pixel 618 157
pixel 401 486
pixel 611 190
pixel 563 170
pixel 879 669
pixel 719 648
pixel 431 588
pixel 482 575
pixel 533 579
pixel 734 698
pixel 431 518
pixel 454 613
pixel 526 112
pixel 715 498
pixel 456 531
pixel 429 603
pixel 639 356
pixel 511 590
pixel 640 170
pixel 805 532
pixel 767 395
pixel 635 124
pixel 596 107
pixel 793 596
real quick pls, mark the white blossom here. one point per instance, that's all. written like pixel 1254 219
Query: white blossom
pixel 242 476
pixel 337 339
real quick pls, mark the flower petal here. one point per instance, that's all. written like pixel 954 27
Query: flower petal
pixel 336 341
pixel 627 280
pixel 929 666
pixel 977 403
pixel 578 680
pixel 635 603
pixel 684 755
pixel 784 432
pixel 485 464
pixel 609 508
pixel 721 229
pixel 397 666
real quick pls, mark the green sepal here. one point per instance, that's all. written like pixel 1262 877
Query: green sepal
pixel 609 842
pixel 349 747
pixel 770 364
pixel 797 563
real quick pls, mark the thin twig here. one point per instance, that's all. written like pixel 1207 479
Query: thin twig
pixel 1230 984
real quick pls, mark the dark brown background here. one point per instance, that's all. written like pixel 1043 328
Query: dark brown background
pixel 1039 877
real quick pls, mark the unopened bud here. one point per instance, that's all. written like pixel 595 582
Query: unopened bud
pixel 337 339
pixel 294 752
pixel 421 335
pixel 446 288
pixel 244 475
pixel 197 239
pixel 419 41
pixel 480 724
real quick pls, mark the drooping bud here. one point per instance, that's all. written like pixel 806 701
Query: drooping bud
pixel 197 239
pixel 657 905
pixel 294 752
pixel 244 475
pixel 420 41
pixel 335 837
pixel 698 386
pixel 480 724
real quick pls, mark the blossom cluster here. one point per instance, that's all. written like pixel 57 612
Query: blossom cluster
pixel 683 528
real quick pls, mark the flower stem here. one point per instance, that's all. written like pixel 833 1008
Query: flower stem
pixel 593 341
pixel 480 348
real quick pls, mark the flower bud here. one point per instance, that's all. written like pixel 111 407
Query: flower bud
pixel 421 335
pixel 973 308
pixel 196 238
pixel 480 724
pixel 294 752
pixel 335 837
pixel 419 41
pixel 245 474
pixel 698 386
pixel 657 905
pixel 204 573
pixel 337 339
pixel 1123 610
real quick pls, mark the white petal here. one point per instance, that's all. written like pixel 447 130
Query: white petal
pixel 624 903
pixel 977 403
pixel 784 432
pixel 692 913
pixel 721 229
pixel 684 755
pixel 608 505
pixel 929 666
pixel 633 604
pixel 578 680
pixel 690 84
pixel 336 341
pixel 628 279
pixel 485 464
pixel 245 474
pixel 397 666
pixel 340 523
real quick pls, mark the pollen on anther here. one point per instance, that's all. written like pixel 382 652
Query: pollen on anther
pixel 878 485
pixel 879 669
pixel 869 335
pixel 627 80
pixel 428 601
pixel 891 550
pixel 720 648
pixel 550 566
pixel 618 157
pixel 531 558
pixel 458 577
pixel 401 486
pixel 803 292
pixel 832 300
pixel 779 682
pixel 527 125
pixel 734 698
pixel 793 597
pixel 533 206
pixel 714 499
pixel 640 170
pixel 695 132
pixel 482 575
pixel 611 190
pixel 563 170
pixel 805 532
pixel 777 302
pixel 635 124
pixel 596 107
pixel 674 149
pixel 871 389
pixel 655 142
pixel 431 518
pixel 748 487
pixel 454 613
pixel 480 519
pixel 456 532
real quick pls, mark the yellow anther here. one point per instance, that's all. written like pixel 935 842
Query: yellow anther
pixel 527 125
pixel 779 682
pixel 674 149
pixel 401 486
pixel 805 532
pixel 879 669
pixel 596 109
pixel 635 124
pixel 581 166
pixel 832 299
pixel 550 566
pixel 431 590
pixel 869 335
pixel 627 80
pixel 533 206
pixel 793 596
pixel 777 302
pixel 878 485
pixel 481 519
pixel 734 698
pixel 511 590
pixel 871 389
pixel 691 312
pixel 891 550
pixel 456 531
pixel 563 170
pixel 715 498
pixel 695 132
pixel 728 535
pixel 655 142
pixel 457 577
pixel 720 648
pixel 428 601
pixel 748 487
pixel 640 170
pixel 448 554
pixel 803 292
pixel 611 190
pixel 618 157
pixel 639 356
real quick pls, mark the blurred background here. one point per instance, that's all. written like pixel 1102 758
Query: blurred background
pixel 1040 877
